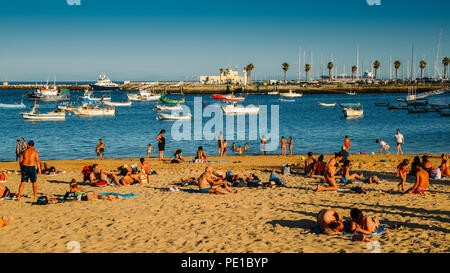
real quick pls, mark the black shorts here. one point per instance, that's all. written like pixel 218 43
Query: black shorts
pixel 28 173
pixel 161 146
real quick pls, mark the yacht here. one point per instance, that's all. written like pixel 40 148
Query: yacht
pixel 104 84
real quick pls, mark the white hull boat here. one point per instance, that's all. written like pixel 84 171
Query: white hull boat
pixel 273 93
pixel 291 94
pixel 94 112
pixel 143 95
pixel 353 112
pixel 12 105
pixel 117 104
pixel 168 108
pixel 238 109
pixel 327 104
pixel 34 115
pixel 173 116
pixel 351 93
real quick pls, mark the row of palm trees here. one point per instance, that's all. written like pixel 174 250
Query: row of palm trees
pixel 330 66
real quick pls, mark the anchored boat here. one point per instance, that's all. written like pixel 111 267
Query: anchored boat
pixel 104 84
pixel 291 94
pixel 49 94
pixel 87 111
pixel 34 115
pixel 327 104
pixel 173 116
pixel 239 109
pixel 12 105
pixel 117 104
pixel 143 95
pixel 286 100
pixel 354 111
pixel 168 108
pixel 171 101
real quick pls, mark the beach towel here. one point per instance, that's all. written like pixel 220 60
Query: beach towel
pixel 119 194
pixel 53 174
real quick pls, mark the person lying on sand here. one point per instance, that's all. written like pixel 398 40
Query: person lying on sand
pixel 402 170
pixel 330 172
pixel 90 194
pixel 346 176
pixel 318 167
pixel 277 181
pixel 98 174
pixel 189 181
pixel 422 182
pixel 362 223
pixel 45 169
pixel 210 183
pixel 372 179
pixel 4 191
pixel 445 171
pixel 5 220
pixel 309 163
pixel 330 222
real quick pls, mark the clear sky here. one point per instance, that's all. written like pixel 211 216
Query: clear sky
pixel 179 39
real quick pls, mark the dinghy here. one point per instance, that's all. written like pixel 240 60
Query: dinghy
pixel 168 108
pixel 291 94
pixel 171 101
pixel 173 116
pixel 327 104
pixel 355 111
pixel 239 109
pixel 118 104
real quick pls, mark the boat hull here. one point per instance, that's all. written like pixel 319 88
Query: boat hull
pixel 96 87
pixel 12 106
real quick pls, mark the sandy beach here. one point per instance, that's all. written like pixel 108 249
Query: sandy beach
pixel 254 220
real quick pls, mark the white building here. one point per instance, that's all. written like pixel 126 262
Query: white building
pixel 227 76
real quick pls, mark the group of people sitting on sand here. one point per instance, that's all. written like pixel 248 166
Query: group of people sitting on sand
pixel 332 223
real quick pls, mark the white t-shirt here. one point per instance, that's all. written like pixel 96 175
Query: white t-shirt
pixel 398 138
pixel 382 143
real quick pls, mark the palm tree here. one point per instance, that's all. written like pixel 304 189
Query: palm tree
pixel 354 69
pixel 423 64
pixel 376 65
pixel 445 62
pixel 285 67
pixel 307 69
pixel 221 73
pixel 397 65
pixel 249 69
pixel 330 67
pixel 227 73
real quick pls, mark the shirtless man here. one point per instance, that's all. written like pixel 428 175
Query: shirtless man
pixel 347 143
pixel 24 145
pixel 224 146
pixel 210 183
pixel 283 146
pixel 201 155
pixel 100 149
pixel 98 175
pixel 330 171
pixel 29 161
pixel 291 142
pixel 330 222
pixel 422 182
pixel 445 170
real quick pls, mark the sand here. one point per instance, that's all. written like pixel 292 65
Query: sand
pixel 254 220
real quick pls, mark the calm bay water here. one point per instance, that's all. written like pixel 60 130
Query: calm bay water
pixel 313 128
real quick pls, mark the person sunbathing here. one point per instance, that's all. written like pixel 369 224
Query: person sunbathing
pixel 201 155
pixel 210 183
pixel 4 191
pixel 45 169
pixel 402 170
pixel 189 181
pixel 91 195
pixel 5 220
pixel 277 181
pixel 330 171
pixel 346 176
pixel 318 167
pixel 362 223
pixel 330 222
pixel 309 163
pixel 445 170
pixel 98 175
pixel 372 179
pixel 422 182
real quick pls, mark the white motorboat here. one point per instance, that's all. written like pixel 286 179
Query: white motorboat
pixel 273 93
pixel 351 93
pixel 239 109
pixel 94 111
pixel 117 104
pixel 168 108
pixel 144 95
pixel 327 104
pixel 173 116
pixel 104 84
pixel 12 105
pixel 34 115
pixel 87 97
pixel 66 107
pixel 355 111
pixel 291 94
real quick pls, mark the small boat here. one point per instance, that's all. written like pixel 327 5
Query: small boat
pixel 66 107
pixel 168 108
pixel 397 107
pixel 87 111
pixel 143 95
pixel 171 101
pixel 327 104
pixel 291 94
pixel 104 84
pixel 273 93
pixel 173 116
pixel 87 97
pixel 215 105
pixel 217 96
pixel 49 94
pixel 286 100
pixel 232 97
pixel 381 103
pixel 351 93
pixel 117 104
pixel 34 115
pixel 355 111
pixel 239 109
pixel 12 105
pixel 417 103
pixel 417 110
pixel 356 104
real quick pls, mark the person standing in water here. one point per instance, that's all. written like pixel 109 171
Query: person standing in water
pixel 283 146
pixel 263 145
pixel 291 142
pixel 29 161
pixel 24 145
pixel 220 144
pixel 400 141
pixel 224 146
pixel 17 150
pixel 100 149
pixel 161 143
pixel 347 143
pixel 149 151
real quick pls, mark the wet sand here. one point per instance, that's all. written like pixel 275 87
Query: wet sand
pixel 254 220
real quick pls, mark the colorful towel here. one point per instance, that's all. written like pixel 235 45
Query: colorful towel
pixel 118 194
pixel 53 174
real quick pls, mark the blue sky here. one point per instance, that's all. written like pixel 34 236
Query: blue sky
pixel 176 40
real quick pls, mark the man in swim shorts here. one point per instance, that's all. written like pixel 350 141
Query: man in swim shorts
pixel 330 222
pixel 210 183
pixel 29 161
pixel 422 182
pixel 100 149
pixel 98 174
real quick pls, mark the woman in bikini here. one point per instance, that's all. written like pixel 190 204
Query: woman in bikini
pixel 445 171
pixel 318 167
pixel 346 173
pixel 402 171
pixel 362 223
pixel 330 172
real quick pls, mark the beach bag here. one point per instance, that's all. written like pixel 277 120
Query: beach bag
pixel 42 200
pixel 286 169
pixel 100 183
pixel 436 173
pixel 3 177
pixel 87 170
pixel 70 196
